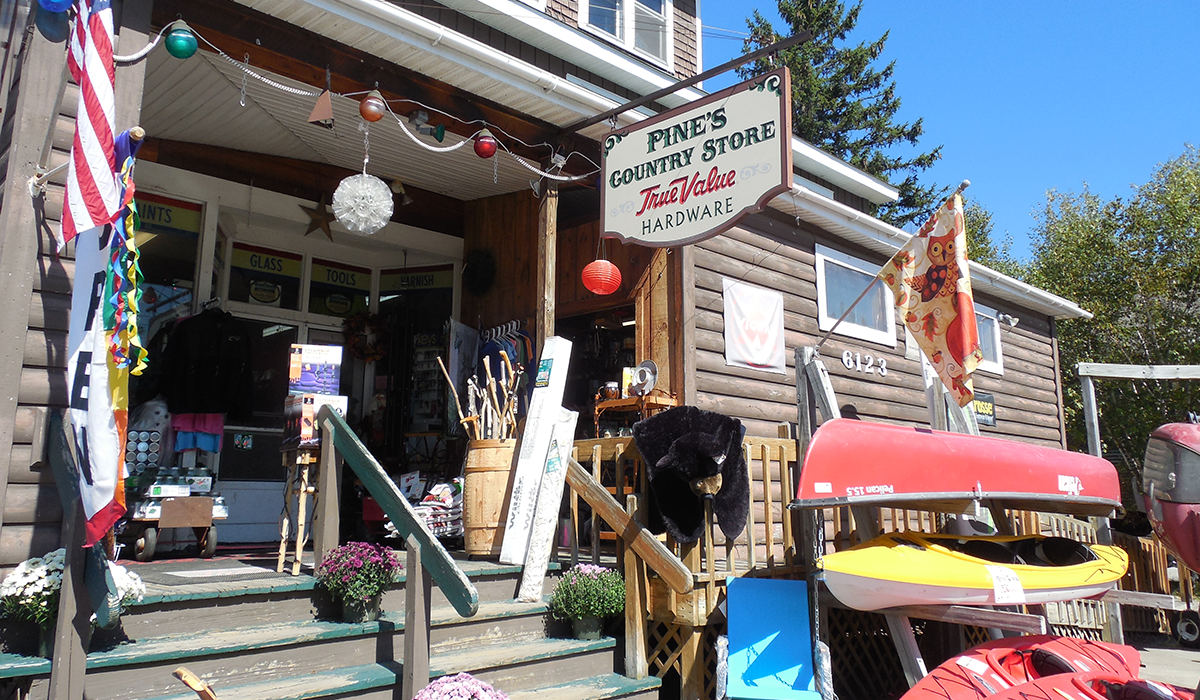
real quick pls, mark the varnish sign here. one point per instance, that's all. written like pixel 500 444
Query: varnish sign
pixel 688 174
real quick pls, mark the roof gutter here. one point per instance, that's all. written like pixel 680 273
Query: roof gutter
pixel 410 28
pixel 886 239
pixel 539 29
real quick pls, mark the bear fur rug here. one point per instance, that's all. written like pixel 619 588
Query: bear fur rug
pixel 687 443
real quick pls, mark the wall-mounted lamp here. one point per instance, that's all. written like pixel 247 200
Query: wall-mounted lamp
pixel 1008 320
pixel 398 188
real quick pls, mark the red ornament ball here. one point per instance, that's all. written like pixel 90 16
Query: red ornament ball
pixel 485 144
pixel 372 108
pixel 601 277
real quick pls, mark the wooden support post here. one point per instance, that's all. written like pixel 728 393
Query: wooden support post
pixel 73 629
pixel 285 518
pixel 546 262
pixel 691 663
pixel 906 644
pixel 418 590
pixel 326 510
pixel 636 606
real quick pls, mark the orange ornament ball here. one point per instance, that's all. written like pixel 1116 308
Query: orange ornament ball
pixel 372 108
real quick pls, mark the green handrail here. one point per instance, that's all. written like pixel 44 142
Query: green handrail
pixel 455 585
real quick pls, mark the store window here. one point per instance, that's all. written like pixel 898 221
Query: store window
pixel 167 238
pixel 265 277
pixel 988 323
pixel 337 289
pixel 640 25
pixel 840 279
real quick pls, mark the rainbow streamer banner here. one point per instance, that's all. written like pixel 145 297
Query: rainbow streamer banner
pixel 104 348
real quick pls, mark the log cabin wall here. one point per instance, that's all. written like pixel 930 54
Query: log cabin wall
pixel 769 251
pixel 36 281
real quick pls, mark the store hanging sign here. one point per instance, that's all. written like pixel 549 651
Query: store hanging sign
pixel 158 214
pixel 406 278
pixel 693 172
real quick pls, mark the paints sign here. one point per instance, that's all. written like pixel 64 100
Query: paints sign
pixel 695 171
pixel 159 215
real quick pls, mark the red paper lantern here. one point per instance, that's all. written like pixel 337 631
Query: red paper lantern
pixel 601 277
pixel 485 144
pixel 372 108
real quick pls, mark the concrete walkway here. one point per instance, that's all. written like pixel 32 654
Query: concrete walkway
pixel 1164 660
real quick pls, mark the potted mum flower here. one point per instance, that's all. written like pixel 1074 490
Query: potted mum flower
pixel 464 686
pixel 30 593
pixel 585 595
pixel 356 574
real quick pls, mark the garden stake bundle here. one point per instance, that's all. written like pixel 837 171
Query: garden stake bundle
pixel 492 404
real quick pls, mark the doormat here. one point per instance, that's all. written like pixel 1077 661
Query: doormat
pixel 200 576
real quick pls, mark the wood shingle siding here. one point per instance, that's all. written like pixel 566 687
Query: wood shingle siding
pixel 1026 394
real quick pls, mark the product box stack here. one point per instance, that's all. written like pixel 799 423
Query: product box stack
pixel 314 374
pixel 441 509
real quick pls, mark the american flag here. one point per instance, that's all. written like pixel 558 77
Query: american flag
pixel 92 197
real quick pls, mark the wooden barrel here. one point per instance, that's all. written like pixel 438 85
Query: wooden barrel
pixel 487 488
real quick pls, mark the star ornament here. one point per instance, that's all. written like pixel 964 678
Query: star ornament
pixel 319 217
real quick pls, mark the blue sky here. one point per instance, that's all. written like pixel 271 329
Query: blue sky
pixel 1027 96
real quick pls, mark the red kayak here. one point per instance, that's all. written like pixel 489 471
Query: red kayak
pixel 1171 488
pixel 853 462
pixel 1093 686
pixel 990 668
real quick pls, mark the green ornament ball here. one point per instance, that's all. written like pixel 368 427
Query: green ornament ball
pixel 181 43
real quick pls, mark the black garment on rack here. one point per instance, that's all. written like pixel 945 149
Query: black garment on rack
pixel 207 366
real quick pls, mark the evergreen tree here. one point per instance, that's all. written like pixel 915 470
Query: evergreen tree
pixel 980 246
pixel 843 105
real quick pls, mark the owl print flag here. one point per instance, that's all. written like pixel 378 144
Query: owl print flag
pixel 931 282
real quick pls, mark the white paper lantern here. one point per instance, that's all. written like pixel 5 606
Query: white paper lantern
pixel 363 204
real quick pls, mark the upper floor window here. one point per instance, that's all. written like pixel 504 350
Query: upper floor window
pixel 635 24
pixel 988 323
pixel 840 279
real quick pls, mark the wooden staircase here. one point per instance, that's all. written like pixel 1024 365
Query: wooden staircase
pixel 277 637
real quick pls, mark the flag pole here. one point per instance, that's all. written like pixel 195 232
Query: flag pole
pixel 817 348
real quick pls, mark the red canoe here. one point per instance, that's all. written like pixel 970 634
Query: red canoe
pixel 1171 488
pixel 993 667
pixel 853 462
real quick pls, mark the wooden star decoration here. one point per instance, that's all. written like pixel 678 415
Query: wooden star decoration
pixel 320 218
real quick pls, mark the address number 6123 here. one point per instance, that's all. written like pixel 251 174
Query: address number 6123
pixel 864 363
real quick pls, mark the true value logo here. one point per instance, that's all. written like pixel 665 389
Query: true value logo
pixel 692 172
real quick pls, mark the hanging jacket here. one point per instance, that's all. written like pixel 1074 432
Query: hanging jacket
pixel 207 366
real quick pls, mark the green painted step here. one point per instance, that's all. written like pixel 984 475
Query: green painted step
pixel 600 687
pixel 180 648
pixel 377 677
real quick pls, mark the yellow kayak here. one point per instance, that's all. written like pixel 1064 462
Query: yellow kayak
pixel 911 568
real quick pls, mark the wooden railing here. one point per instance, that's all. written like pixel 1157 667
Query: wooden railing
pixel 426 561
